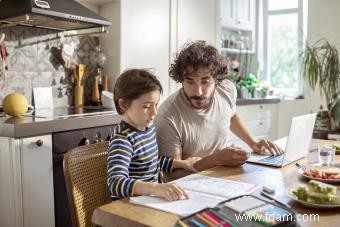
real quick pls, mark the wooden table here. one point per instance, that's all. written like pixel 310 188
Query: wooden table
pixel 123 213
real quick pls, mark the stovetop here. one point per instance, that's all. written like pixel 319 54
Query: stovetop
pixel 61 112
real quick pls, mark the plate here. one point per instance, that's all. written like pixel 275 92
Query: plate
pixel 302 169
pixel 309 204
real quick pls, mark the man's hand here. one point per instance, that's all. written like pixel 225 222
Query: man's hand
pixel 266 147
pixel 232 156
pixel 187 164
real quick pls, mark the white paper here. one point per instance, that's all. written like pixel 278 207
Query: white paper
pixel 43 98
pixel 197 201
pixel 215 186
pixel 203 192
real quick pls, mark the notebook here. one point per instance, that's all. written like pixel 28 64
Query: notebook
pixel 203 192
pixel 295 146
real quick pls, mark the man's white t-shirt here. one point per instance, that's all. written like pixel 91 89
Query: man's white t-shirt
pixel 185 131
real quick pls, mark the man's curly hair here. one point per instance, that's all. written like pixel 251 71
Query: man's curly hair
pixel 198 54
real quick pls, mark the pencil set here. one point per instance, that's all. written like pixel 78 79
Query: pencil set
pixel 246 210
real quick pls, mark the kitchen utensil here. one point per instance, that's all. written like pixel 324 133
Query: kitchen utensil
pixel 78 95
pixel 105 83
pixel 95 95
pixel 3 53
pixel 80 72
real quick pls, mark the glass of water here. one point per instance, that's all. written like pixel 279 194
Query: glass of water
pixel 326 154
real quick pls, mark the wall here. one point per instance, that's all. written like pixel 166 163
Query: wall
pixel 35 61
pixel 138 38
pixel 110 42
pixel 323 21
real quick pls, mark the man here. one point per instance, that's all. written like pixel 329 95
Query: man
pixel 197 119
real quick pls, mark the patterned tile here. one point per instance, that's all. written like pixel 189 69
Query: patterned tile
pixel 35 61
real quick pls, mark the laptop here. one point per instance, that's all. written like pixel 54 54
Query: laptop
pixel 295 146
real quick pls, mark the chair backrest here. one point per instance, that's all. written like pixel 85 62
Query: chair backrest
pixel 85 170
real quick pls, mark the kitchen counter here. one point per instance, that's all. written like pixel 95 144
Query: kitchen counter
pixel 65 119
pixel 266 100
pixel 60 119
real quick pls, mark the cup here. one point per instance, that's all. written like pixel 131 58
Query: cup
pixel 326 154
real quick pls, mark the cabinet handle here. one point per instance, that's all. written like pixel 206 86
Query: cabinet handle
pixel 261 107
pixel 261 123
pixel 39 142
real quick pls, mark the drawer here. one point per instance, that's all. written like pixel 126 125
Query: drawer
pixel 260 127
pixel 257 112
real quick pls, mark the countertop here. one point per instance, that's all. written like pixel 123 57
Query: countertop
pixel 254 101
pixel 60 119
pixel 71 118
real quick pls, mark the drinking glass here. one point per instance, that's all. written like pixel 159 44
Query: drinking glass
pixel 326 154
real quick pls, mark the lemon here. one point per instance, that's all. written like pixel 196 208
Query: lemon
pixel 15 104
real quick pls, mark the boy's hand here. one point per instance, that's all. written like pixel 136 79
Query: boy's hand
pixel 169 191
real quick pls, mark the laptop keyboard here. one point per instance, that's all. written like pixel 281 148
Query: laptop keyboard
pixel 274 159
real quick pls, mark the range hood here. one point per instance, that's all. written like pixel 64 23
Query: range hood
pixel 61 15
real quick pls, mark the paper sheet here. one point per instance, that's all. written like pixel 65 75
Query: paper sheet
pixel 203 192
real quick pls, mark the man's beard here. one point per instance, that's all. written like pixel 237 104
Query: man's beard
pixel 198 102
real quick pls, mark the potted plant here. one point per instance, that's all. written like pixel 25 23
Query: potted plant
pixel 321 67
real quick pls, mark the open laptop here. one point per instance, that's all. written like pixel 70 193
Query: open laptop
pixel 295 146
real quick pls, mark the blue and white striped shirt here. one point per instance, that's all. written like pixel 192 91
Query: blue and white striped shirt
pixel 133 155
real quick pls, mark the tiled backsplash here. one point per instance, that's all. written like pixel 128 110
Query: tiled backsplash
pixel 35 61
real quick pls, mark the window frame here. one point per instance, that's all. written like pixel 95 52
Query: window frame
pixel 302 29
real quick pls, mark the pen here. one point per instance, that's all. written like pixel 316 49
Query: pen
pixel 275 200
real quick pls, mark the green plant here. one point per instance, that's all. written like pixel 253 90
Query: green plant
pixel 320 66
pixel 248 82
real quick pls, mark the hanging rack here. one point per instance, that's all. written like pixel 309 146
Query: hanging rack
pixel 59 35
pixel 91 31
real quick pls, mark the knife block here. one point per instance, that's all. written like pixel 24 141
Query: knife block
pixel 78 95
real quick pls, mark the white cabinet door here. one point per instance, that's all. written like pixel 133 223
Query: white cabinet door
pixel 260 120
pixel 238 14
pixel 228 13
pixel 245 10
pixel 37 181
pixel 197 20
pixel 10 186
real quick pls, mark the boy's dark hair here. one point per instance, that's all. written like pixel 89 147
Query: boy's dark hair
pixel 133 83
pixel 198 54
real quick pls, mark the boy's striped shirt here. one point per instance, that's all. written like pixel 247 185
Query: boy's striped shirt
pixel 133 155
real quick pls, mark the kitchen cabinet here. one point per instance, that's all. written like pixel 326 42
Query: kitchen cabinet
pixel 10 187
pixel 238 20
pixel 238 14
pixel 196 20
pixel 260 120
pixel 26 176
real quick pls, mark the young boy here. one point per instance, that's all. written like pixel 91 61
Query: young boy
pixel 133 160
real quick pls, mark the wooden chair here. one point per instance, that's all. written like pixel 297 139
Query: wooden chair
pixel 85 170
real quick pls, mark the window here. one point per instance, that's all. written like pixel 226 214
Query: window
pixel 283 30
